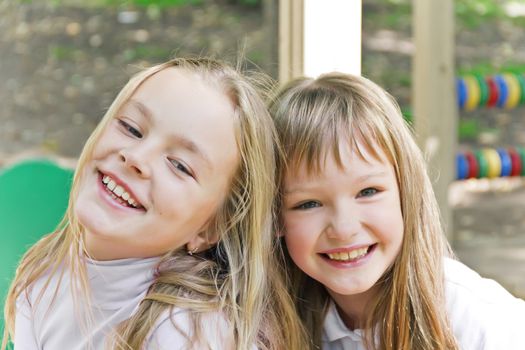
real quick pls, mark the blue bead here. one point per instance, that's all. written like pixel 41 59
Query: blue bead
pixel 506 162
pixel 461 166
pixel 461 87
pixel 503 90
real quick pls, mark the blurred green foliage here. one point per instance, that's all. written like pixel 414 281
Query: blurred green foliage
pixel 396 14
pixel 61 52
pixel 249 2
pixel 124 3
pixel 147 52
pixel 159 3
pixel 472 13
pixel 408 115
pixel 468 129
pixel 490 68
pixel 141 3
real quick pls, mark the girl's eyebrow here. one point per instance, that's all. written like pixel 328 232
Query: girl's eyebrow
pixel 176 139
pixel 366 177
pixel 192 147
pixel 362 178
pixel 145 111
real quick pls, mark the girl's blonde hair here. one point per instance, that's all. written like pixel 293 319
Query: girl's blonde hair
pixel 237 276
pixel 312 117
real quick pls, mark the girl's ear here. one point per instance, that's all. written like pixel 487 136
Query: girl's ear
pixel 202 241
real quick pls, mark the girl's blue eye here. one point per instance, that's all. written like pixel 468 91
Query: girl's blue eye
pixel 368 192
pixel 130 129
pixel 307 205
pixel 179 166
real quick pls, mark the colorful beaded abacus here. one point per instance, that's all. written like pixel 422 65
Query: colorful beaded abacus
pixel 506 90
pixel 490 163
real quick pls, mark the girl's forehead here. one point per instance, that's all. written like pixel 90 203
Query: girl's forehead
pixel 353 170
pixel 339 153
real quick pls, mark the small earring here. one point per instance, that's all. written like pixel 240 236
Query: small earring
pixel 192 251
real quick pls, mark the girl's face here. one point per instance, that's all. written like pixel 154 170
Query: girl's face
pixel 343 226
pixel 160 170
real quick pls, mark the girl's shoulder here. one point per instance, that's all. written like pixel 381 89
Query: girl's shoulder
pixel 463 282
pixel 482 313
pixel 44 287
pixel 175 329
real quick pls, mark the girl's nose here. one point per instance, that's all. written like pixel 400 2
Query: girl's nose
pixel 344 225
pixel 137 160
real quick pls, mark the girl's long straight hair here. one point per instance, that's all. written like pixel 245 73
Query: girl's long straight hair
pixel 238 277
pixel 312 117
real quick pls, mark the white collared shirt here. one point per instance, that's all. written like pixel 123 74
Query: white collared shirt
pixel 336 336
pixel 117 288
pixel 483 315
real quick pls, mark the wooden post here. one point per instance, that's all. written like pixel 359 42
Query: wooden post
pixel 291 34
pixel 271 32
pixel 434 95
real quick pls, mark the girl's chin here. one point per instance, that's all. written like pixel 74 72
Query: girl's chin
pixel 92 221
pixel 349 292
pixel 362 291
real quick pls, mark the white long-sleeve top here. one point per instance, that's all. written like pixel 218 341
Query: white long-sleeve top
pixel 117 288
pixel 483 315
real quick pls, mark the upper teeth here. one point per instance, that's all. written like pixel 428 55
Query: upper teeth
pixel 356 253
pixel 118 190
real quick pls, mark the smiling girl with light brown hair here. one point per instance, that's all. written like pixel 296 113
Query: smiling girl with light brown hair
pixel 370 266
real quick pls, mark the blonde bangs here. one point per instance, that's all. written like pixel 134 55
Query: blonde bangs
pixel 314 119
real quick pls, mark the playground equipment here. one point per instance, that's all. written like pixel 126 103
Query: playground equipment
pixel 490 163
pixel 506 90
pixel 33 197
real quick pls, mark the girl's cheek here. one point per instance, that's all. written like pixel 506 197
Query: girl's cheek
pixel 292 224
pixel 298 236
pixel 297 244
pixel 304 222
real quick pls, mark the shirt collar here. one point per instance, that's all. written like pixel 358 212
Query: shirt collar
pixel 335 329
pixel 114 283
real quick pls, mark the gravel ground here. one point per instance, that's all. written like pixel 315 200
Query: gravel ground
pixel 62 66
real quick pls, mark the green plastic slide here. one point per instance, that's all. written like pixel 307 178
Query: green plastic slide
pixel 33 199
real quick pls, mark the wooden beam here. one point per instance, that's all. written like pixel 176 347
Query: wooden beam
pixel 434 95
pixel 291 34
pixel 270 9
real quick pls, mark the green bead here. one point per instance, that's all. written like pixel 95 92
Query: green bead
pixel 484 90
pixel 482 163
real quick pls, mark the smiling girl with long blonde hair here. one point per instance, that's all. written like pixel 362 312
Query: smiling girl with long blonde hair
pixel 167 241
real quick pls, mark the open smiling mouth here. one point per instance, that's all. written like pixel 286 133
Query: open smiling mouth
pixel 118 193
pixel 350 256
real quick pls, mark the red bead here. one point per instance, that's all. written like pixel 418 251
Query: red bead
pixel 493 92
pixel 472 165
pixel 515 160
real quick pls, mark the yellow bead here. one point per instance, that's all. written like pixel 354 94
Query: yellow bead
pixel 514 91
pixel 473 92
pixel 494 162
